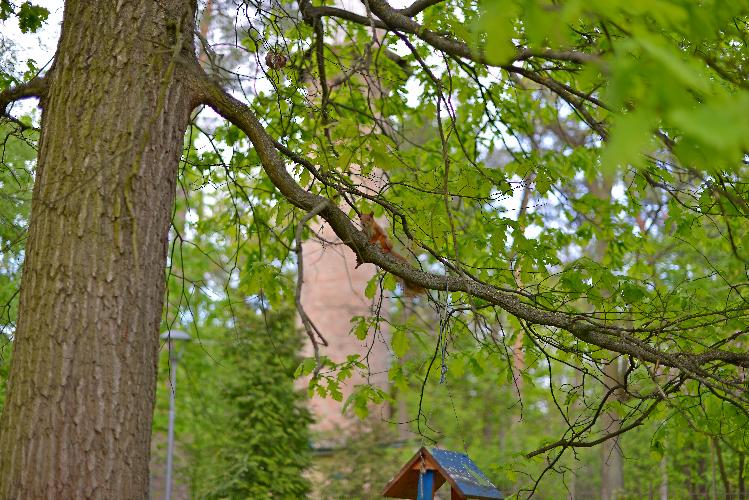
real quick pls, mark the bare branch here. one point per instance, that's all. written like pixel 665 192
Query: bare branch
pixel 309 326
pixel 557 55
pixel 317 12
pixel 575 443
pixel 418 6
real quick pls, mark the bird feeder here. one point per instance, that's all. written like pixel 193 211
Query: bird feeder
pixel 430 468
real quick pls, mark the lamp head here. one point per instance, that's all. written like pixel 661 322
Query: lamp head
pixel 174 335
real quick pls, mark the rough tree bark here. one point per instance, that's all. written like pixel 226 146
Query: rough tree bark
pixel 77 420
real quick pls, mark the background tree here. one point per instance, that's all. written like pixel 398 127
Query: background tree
pixel 244 428
pixel 16 178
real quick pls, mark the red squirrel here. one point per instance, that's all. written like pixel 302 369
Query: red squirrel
pixel 377 236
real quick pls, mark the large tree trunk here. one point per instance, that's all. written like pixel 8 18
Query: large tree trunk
pixel 77 419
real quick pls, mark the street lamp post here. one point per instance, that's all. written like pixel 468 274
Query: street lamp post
pixel 170 337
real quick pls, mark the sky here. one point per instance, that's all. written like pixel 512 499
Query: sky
pixel 39 46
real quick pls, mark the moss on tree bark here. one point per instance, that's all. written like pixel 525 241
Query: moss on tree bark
pixel 77 419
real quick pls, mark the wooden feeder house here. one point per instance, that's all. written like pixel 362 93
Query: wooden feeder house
pixel 430 468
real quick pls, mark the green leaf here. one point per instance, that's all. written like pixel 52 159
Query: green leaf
pixel 631 293
pixel 674 62
pixel 371 288
pixel 361 327
pixel 31 17
pixel 400 342
pixel 631 136
pixel 390 282
pixel 306 367
pixel 719 123
pixel 495 26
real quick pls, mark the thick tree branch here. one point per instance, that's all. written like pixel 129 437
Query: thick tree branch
pixel 312 13
pixel 418 6
pixel 36 87
pixel 395 20
pixel 557 55
pixel 401 21
pixel 609 337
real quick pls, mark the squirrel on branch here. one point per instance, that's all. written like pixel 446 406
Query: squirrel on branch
pixel 377 236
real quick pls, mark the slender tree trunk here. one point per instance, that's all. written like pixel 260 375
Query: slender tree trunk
pixel 578 475
pixel 612 460
pixel 77 420
pixel 713 480
pixel 742 487
pixel 722 468
pixel 663 488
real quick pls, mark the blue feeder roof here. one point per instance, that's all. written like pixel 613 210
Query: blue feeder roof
pixel 465 475
pixel 453 467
